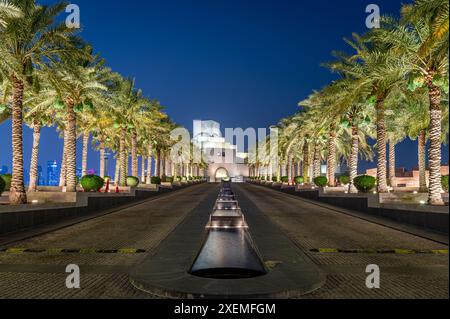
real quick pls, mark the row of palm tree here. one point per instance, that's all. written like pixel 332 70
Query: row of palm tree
pixel 393 86
pixel 50 77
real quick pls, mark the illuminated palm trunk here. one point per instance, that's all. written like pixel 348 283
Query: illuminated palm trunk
pixel 85 153
pixel 17 194
pixel 434 156
pixel 158 163
pixel 423 188
pixel 134 155
pixel 117 171
pixel 392 164
pixel 353 160
pixel 62 176
pixel 331 160
pixel 163 165
pixel 123 158
pixel 290 177
pixel 306 164
pixel 142 169
pixel 102 158
pixel 35 156
pixel 149 165
pixel 381 146
pixel 317 162
pixel 71 149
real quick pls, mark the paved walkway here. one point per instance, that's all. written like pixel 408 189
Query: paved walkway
pixel 314 228
pixel 106 248
pixel 105 274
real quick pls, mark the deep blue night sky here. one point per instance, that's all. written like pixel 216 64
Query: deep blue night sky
pixel 243 63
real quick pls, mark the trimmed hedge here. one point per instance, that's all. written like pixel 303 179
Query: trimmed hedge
pixel 344 180
pixel 92 183
pixel 444 181
pixel 299 180
pixel 168 179
pixel 285 179
pixel 155 180
pixel 7 179
pixel 132 181
pixel 275 179
pixel 365 183
pixel 321 181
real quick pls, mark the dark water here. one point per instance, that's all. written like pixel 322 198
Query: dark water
pixel 228 251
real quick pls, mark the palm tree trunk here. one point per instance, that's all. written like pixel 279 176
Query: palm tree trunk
pixel 381 146
pixel 163 164
pixel 127 166
pixel 86 136
pixel 71 159
pixel 289 167
pixel 18 193
pixel 149 165
pixel 392 164
pixel 316 161
pixel 123 158
pixel 143 169
pixel 35 156
pixel 102 158
pixel 62 176
pixel 331 160
pixel 305 163
pixel 423 188
pixel 158 163
pixel 134 155
pixel 117 171
pixel 175 171
pixel 353 160
pixel 434 157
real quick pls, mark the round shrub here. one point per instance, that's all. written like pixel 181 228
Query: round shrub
pixel 344 180
pixel 321 181
pixel 444 180
pixel 285 179
pixel 92 183
pixel 275 179
pixel 156 180
pixel 179 178
pixel 299 180
pixel 132 181
pixel 365 183
pixel 7 179
pixel 2 186
pixel 168 179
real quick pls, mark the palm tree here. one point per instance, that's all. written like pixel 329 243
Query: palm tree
pixel 423 39
pixel 129 108
pixel 377 69
pixel 74 85
pixel 7 11
pixel 27 43
pixel 36 119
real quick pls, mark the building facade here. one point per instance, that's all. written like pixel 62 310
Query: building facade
pixel 223 158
